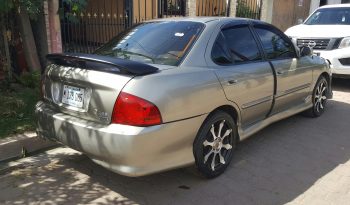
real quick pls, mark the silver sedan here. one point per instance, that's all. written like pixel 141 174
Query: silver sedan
pixel 174 92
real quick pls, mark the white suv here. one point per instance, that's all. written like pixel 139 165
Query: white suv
pixel 327 31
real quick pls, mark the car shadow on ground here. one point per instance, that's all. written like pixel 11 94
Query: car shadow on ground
pixel 274 166
pixel 340 84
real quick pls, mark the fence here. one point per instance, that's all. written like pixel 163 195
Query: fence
pixel 171 8
pixel 211 7
pixel 85 31
pixel 249 9
pixel 103 19
pixel 244 8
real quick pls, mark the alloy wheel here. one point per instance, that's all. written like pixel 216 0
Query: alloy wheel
pixel 218 145
pixel 321 96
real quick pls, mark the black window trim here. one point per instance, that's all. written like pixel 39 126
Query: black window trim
pixel 211 51
pixel 278 32
pixel 230 25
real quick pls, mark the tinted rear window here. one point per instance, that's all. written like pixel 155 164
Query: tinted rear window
pixel 164 42
pixel 241 44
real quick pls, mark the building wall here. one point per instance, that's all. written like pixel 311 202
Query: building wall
pixel 287 13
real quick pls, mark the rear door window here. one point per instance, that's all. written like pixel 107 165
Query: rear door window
pixel 235 45
pixel 241 44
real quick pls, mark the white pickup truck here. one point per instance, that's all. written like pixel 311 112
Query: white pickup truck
pixel 327 31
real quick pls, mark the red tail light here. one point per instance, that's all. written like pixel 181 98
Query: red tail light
pixel 132 110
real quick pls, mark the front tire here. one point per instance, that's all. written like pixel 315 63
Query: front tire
pixel 214 145
pixel 319 99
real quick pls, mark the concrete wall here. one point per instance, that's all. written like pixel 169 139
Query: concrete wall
pixel 232 7
pixel 267 10
pixel 314 5
pixel 191 6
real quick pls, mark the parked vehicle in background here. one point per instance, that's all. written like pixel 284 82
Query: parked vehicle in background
pixel 172 92
pixel 327 31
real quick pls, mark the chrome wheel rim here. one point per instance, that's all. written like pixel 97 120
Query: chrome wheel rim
pixel 321 96
pixel 218 145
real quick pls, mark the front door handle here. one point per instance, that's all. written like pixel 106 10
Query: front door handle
pixel 280 72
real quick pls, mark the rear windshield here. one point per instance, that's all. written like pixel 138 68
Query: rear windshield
pixel 163 42
pixel 329 16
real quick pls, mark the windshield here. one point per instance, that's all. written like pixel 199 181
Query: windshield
pixel 329 16
pixel 163 42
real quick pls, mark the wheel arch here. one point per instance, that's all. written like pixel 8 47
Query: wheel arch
pixel 327 76
pixel 329 81
pixel 233 112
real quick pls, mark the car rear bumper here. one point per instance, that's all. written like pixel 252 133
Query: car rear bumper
pixel 127 150
pixel 339 60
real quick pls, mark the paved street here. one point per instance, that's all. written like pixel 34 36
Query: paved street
pixel 296 161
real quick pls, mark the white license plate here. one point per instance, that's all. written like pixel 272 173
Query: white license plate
pixel 317 54
pixel 73 96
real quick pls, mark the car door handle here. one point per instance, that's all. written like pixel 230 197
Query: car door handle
pixel 280 72
pixel 231 82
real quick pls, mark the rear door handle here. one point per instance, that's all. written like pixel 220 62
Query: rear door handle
pixel 231 82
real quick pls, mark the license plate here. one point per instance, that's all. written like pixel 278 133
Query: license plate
pixel 316 53
pixel 73 96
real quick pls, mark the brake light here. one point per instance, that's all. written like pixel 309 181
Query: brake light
pixel 132 110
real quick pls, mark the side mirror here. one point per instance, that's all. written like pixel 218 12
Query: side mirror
pixel 305 51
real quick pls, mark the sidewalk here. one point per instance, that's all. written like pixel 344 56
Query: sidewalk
pixel 20 145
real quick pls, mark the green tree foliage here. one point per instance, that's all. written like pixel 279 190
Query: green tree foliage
pixel 75 8
pixel 33 7
pixel 6 5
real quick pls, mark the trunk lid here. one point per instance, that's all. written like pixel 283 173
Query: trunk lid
pixel 87 86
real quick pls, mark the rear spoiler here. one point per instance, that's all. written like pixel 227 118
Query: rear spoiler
pixel 101 63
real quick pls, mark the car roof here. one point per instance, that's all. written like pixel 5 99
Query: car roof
pixel 204 19
pixel 335 6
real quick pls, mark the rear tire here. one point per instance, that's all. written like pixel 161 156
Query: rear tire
pixel 215 143
pixel 319 99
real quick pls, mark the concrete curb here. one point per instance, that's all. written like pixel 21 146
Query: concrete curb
pixel 20 145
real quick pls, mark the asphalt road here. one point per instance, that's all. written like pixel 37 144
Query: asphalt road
pixel 296 161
